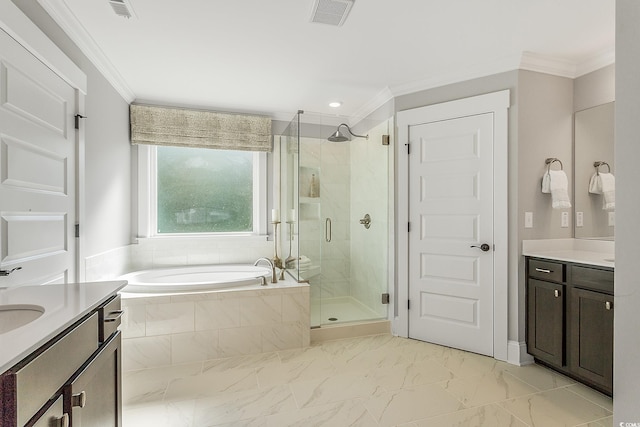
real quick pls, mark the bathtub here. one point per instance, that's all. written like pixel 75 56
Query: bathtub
pixel 174 316
pixel 194 278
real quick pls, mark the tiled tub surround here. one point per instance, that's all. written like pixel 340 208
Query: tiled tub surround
pixel 163 330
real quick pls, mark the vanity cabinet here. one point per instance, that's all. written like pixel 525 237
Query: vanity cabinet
pixel 74 379
pixel 570 319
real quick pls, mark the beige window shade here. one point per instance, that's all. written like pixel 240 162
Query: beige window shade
pixel 201 129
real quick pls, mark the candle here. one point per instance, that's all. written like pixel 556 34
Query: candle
pixel 275 215
pixel 292 215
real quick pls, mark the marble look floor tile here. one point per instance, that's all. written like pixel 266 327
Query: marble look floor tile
pixel 173 414
pixel 212 382
pixel 409 375
pixel 539 377
pixel 244 405
pixel 349 413
pixel 403 406
pixel 482 416
pixel 150 385
pixel 301 354
pixel 559 407
pixel 251 361
pixel 592 396
pixel 253 422
pixel 465 364
pixel 487 388
pixel 333 389
pixel 297 371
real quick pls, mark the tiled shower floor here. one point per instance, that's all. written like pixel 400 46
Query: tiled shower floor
pixel 368 381
pixel 343 309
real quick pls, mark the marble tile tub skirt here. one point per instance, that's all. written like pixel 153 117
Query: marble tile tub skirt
pixel 166 330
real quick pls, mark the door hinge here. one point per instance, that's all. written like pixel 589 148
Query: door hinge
pixel 408 227
pixel 385 298
pixel 408 304
pixel 77 230
pixel 77 122
pixel 408 148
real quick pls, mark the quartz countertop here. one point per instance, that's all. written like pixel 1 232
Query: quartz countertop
pixel 591 252
pixel 63 304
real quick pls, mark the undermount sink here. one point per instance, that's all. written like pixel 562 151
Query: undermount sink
pixel 16 315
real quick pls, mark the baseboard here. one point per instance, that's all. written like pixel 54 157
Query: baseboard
pixel 517 354
pixel 349 330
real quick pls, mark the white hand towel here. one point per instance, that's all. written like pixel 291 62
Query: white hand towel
pixel 546 183
pixel 559 186
pixel 608 191
pixel 595 184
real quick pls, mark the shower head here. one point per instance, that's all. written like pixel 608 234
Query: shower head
pixel 338 136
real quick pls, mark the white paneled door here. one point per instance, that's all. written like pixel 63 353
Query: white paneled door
pixel 451 283
pixel 37 170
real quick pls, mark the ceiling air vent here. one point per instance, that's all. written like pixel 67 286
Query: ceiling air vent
pixel 331 12
pixel 122 8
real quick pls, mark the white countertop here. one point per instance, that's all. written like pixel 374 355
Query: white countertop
pixel 63 304
pixel 592 252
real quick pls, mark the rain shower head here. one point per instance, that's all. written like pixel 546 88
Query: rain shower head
pixel 338 136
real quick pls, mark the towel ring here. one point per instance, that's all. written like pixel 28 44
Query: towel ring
pixel 598 164
pixel 551 160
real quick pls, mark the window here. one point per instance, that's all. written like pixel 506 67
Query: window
pixel 198 190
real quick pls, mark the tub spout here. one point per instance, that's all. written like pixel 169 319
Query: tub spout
pixel 274 278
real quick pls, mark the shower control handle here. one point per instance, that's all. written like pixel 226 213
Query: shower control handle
pixel 483 247
pixel 366 221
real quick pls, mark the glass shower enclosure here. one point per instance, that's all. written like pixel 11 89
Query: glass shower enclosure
pixel 336 203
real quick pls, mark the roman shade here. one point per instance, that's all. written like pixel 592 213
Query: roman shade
pixel 201 129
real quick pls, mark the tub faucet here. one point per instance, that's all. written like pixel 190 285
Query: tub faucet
pixel 274 279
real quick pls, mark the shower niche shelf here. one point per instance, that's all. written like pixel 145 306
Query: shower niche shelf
pixel 309 211
pixel 309 185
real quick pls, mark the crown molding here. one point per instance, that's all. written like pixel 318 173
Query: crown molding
pixel 381 98
pixel 601 60
pixel 64 17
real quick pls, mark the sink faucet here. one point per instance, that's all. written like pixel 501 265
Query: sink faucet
pixel 274 279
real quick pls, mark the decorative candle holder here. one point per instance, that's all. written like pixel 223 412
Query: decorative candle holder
pixel 276 260
pixel 290 257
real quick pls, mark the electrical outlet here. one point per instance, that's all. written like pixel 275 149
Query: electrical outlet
pixel 579 219
pixel 565 220
pixel 528 220
pixel 612 219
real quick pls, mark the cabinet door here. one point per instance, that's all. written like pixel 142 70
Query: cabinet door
pixel 592 337
pixel 545 321
pixel 54 416
pixel 93 397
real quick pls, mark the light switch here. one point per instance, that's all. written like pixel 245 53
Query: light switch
pixel 528 220
pixel 579 219
pixel 612 219
pixel 565 220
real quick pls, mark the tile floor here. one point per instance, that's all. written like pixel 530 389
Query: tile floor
pixel 371 381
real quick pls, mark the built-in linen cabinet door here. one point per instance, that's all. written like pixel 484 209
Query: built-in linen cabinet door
pixel 592 337
pixel 93 396
pixel 546 321
pixel 54 416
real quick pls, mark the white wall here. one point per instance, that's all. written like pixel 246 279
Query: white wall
pixel 626 380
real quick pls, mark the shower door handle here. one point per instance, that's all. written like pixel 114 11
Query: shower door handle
pixel 327 230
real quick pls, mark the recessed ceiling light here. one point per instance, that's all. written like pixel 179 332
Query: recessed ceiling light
pixel 335 104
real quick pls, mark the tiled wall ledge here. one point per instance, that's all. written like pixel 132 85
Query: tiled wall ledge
pixel 169 330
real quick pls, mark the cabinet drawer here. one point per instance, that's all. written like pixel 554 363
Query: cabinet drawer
pixel 110 318
pixel 54 416
pixel 592 278
pixel 39 379
pixel 547 270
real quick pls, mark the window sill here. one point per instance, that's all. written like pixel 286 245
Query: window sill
pixel 221 238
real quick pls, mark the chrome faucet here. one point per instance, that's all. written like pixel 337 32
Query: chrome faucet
pixel 274 279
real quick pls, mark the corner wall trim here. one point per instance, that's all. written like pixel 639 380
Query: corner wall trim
pixel 517 354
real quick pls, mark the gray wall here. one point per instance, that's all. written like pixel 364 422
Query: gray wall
pixel 107 150
pixel 627 287
pixel 595 88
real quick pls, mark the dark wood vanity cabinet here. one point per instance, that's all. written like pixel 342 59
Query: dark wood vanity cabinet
pixel 570 320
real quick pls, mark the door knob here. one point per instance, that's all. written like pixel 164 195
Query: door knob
pixel 483 247
pixel 8 272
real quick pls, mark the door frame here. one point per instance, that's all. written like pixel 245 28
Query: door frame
pixel 498 104
pixel 18 26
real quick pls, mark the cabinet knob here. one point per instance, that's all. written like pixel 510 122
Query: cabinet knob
pixel 79 400
pixel 608 305
pixel 64 421
pixel 556 293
